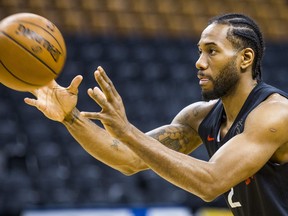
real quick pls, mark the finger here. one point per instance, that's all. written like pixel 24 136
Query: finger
pixel 95 115
pixel 90 115
pixel 30 101
pixel 105 84
pixel 105 87
pixel 108 81
pixel 98 96
pixel 74 85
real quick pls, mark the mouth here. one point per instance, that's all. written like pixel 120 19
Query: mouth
pixel 202 79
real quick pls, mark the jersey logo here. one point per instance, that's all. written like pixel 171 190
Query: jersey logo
pixel 248 181
pixel 239 126
pixel 209 138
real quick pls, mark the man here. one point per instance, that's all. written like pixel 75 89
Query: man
pixel 243 125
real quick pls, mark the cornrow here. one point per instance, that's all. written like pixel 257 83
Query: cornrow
pixel 244 33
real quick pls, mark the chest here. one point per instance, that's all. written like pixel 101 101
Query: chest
pixel 229 128
pixel 224 128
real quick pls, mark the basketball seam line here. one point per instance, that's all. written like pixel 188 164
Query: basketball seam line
pixel 9 71
pixel 30 52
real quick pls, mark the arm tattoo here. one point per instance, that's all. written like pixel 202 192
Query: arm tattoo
pixel 196 111
pixel 70 118
pixel 173 138
pixel 115 144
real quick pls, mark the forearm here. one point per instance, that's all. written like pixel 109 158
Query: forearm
pixel 98 143
pixel 186 172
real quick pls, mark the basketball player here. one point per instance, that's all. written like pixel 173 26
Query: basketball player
pixel 242 122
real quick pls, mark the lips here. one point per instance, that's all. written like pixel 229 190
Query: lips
pixel 203 79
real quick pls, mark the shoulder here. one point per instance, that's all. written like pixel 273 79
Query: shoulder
pixel 270 119
pixel 194 114
pixel 273 108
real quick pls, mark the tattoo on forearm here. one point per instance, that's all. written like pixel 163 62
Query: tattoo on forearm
pixel 115 144
pixel 70 118
pixel 173 139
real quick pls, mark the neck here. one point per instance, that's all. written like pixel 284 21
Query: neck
pixel 234 101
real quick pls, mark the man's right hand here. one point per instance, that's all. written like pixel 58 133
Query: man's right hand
pixel 55 101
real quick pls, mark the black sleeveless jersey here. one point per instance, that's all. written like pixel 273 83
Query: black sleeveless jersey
pixel 266 192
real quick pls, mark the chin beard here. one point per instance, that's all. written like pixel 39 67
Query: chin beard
pixel 209 95
pixel 217 93
pixel 224 84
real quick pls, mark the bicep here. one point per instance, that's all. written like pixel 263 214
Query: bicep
pixel 239 159
pixel 181 135
pixel 246 153
pixel 178 137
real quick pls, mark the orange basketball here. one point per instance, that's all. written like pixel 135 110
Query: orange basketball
pixel 32 51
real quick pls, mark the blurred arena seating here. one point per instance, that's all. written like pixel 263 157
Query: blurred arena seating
pixel 148 48
pixel 175 18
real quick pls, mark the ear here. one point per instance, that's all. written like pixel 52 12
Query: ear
pixel 247 58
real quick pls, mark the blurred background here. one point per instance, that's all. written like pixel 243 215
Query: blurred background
pixel 148 48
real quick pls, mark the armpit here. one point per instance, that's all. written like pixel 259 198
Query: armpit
pixel 281 155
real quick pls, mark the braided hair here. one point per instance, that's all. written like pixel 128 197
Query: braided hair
pixel 244 32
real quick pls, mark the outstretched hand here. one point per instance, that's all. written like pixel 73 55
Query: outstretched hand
pixel 112 115
pixel 55 101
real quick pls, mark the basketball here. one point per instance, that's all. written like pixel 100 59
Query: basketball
pixel 32 51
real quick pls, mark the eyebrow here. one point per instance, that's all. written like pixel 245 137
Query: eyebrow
pixel 208 43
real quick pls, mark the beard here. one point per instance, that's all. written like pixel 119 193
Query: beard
pixel 224 83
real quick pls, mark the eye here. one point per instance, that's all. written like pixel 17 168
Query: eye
pixel 212 51
pixel 199 52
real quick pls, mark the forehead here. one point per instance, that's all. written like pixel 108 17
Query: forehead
pixel 215 34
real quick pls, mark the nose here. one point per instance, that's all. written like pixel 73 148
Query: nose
pixel 201 63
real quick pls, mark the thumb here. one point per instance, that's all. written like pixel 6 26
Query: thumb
pixel 75 83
